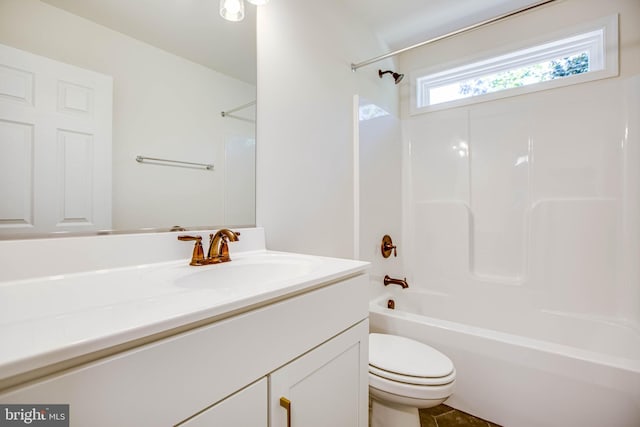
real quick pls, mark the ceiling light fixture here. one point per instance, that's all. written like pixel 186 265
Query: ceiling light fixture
pixel 233 10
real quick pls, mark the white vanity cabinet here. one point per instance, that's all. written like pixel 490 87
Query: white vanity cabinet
pixel 310 348
pixel 326 387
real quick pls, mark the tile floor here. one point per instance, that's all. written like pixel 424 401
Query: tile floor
pixel 445 416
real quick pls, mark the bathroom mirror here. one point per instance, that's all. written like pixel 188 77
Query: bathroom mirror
pixel 183 84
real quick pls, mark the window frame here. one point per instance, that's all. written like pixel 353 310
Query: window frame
pixel 599 37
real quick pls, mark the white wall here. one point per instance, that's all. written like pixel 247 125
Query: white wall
pixel 544 204
pixel 306 186
pixel 164 106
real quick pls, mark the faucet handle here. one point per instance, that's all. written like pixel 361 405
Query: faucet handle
pixel 225 234
pixel 187 238
pixel 197 258
pixel 387 246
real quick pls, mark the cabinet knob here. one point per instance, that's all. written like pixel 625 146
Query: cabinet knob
pixel 286 404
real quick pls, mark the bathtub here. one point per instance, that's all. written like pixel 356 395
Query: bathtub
pixel 521 367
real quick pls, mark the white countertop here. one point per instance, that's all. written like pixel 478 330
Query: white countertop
pixel 52 319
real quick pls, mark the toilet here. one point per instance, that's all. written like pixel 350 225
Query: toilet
pixel 405 375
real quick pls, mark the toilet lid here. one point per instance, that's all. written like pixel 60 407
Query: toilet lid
pixel 406 357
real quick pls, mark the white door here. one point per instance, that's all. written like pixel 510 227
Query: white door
pixel 55 145
pixel 327 386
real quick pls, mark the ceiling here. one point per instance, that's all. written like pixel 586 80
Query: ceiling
pixel 194 30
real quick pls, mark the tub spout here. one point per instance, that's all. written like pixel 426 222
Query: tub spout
pixel 391 281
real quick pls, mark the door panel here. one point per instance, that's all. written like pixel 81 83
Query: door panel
pixel 55 145
pixel 326 387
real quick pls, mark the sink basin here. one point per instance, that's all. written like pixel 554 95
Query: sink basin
pixel 260 270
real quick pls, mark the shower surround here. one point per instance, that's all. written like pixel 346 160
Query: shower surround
pixel 522 209
pixel 521 232
pixel 532 200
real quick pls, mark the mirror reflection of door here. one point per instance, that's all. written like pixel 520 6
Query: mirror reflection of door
pixel 55 145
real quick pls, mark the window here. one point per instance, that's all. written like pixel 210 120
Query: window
pixel 588 55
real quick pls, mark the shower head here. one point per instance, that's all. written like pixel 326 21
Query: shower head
pixel 397 77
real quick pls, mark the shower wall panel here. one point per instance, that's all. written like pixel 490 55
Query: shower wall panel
pixel 499 140
pixel 536 193
pixel 531 201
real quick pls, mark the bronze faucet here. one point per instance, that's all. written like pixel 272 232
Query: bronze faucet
pixel 218 244
pixel 391 281
pixel 218 247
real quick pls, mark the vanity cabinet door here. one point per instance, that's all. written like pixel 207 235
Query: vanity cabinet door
pixel 327 386
pixel 246 408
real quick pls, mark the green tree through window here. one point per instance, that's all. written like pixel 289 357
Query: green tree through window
pixel 530 74
pixel 577 64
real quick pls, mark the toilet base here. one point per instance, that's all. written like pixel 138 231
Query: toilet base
pixel 387 414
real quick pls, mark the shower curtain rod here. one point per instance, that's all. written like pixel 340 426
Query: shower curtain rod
pixel 248 104
pixel 354 67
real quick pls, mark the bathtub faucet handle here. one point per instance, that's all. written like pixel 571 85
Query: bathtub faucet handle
pixel 387 246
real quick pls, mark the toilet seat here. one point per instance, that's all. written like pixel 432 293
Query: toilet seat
pixel 405 368
pixel 404 360
pixel 406 379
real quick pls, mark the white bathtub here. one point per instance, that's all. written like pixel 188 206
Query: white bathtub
pixel 520 367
